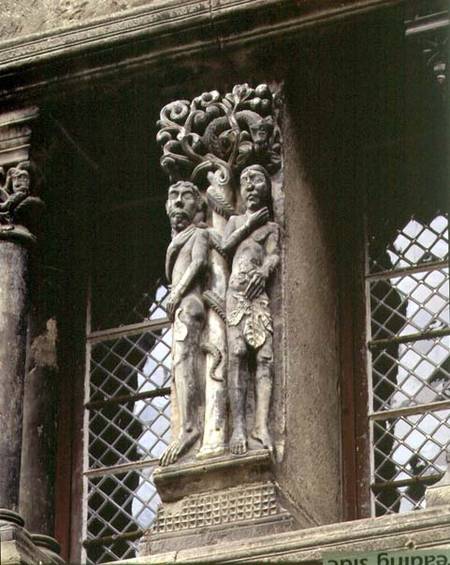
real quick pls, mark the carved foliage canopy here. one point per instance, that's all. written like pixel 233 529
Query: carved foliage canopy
pixel 210 139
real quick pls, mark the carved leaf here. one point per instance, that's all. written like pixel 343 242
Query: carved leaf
pixel 258 324
pixel 242 308
pixel 236 315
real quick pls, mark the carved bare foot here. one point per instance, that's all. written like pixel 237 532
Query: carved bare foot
pixel 179 446
pixel 238 442
pixel 262 435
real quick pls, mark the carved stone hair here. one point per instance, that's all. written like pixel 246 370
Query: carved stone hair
pixel 262 170
pixel 197 195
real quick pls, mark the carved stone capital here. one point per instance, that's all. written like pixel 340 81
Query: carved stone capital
pixel 430 31
pixel 19 208
pixel 435 50
pixel 18 205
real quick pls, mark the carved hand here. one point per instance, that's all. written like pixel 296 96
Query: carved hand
pixel 258 218
pixel 256 285
pixel 172 303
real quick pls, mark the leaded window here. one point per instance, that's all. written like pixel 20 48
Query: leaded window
pixel 128 363
pixel 408 286
pixel 128 428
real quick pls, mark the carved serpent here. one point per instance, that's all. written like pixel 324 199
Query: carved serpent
pixel 220 146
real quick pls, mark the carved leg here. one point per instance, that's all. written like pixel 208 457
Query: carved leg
pixel 264 378
pixel 186 350
pixel 237 382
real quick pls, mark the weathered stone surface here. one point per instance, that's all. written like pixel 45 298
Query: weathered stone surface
pixel 169 30
pixel 415 530
pixel 22 18
pixel 310 472
pixel 39 430
pixel 239 512
pixel 13 303
pixel 19 547
pixel 184 479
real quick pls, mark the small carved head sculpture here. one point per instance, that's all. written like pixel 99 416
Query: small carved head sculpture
pixel 255 187
pixel 184 201
pixel 261 133
pixel 18 179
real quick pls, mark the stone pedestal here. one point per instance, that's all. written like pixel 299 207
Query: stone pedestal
pixel 439 493
pixel 227 498
pixel 19 547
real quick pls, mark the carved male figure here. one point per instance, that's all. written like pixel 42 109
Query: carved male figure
pixel 16 189
pixel 186 261
pixel 253 242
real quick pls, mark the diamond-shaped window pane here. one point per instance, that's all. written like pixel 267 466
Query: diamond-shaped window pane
pixel 130 365
pixel 135 430
pixel 124 503
pixel 411 373
pixel 409 451
pixel 414 244
pixel 128 421
pixel 410 304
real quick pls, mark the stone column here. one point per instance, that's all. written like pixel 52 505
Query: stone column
pixel 13 297
pixel 39 429
pixel 16 207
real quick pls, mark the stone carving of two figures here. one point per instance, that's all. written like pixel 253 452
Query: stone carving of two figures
pixel 197 264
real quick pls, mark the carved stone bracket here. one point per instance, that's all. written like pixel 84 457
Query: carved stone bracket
pixel 435 51
pixel 212 138
pixel 431 33
pixel 18 206
pixel 221 153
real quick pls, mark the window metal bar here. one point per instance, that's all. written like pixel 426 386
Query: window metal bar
pixel 428 479
pixel 122 468
pixel 124 398
pixel 429 23
pixel 130 329
pixel 431 334
pixel 111 539
pixel 420 268
pixel 410 410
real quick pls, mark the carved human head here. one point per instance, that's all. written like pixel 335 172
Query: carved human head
pixel 255 187
pixel 18 178
pixel 261 131
pixel 184 201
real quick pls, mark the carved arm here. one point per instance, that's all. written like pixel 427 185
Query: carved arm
pixel 196 266
pixel 233 235
pixel 272 258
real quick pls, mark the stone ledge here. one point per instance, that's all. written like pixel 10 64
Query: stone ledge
pixel 17 548
pixel 173 29
pixel 183 479
pixel 421 529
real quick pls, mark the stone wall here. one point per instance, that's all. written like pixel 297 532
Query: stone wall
pixel 312 363
pixel 26 17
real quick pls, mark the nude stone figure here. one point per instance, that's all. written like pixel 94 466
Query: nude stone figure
pixel 186 262
pixel 252 240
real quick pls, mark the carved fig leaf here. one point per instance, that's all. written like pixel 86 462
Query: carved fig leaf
pixel 258 324
pixel 242 308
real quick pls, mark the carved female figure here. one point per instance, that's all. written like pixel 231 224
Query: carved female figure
pixel 253 242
